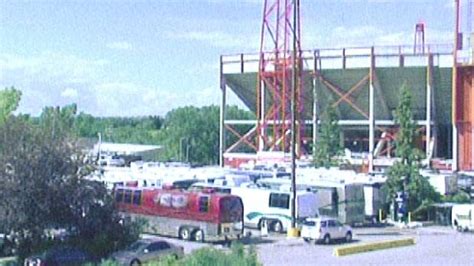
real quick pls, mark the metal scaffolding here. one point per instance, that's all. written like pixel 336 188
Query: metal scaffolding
pixel 273 88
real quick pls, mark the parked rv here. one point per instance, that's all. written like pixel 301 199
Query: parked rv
pixel 273 207
pixel 198 216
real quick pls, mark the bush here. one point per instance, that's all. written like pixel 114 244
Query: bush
pixel 238 256
pixel 459 197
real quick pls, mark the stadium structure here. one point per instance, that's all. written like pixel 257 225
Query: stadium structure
pixel 282 84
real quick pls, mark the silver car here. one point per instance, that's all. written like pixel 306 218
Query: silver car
pixel 147 250
pixel 325 229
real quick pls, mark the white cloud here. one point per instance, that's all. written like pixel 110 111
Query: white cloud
pixel 49 64
pixel 53 79
pixel 69 93
pixel 122 45
pixel 218 39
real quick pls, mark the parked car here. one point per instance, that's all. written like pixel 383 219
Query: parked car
pixel 147 250
pixel 325 229
pixel 59 256
pixel 111 160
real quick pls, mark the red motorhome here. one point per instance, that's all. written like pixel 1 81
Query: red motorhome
pixel 188 215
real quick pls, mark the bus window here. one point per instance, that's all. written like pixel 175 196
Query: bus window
pixel 280 200
pixel 137 197
pixel 203 204
pixel 127 197
pixel 231 210
pixel 119 195
pixel 223 190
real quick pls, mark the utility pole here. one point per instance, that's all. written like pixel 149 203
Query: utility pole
pixel 293 121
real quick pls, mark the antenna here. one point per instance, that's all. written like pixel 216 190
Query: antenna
pixel 419 46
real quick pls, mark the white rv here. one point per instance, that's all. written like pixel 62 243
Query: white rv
pixel 273 207
pixel 462 216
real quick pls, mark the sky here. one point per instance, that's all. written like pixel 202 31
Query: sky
pixel 134 58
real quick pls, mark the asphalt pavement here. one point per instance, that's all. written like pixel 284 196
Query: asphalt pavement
pixel 434 246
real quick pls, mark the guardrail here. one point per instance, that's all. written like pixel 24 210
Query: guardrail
pixel 365 247
pixel 350 57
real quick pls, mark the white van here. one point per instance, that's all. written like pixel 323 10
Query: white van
pixel 462 217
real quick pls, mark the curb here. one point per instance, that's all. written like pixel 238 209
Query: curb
pixel 372 246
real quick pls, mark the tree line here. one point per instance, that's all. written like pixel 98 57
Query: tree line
pixel 186 134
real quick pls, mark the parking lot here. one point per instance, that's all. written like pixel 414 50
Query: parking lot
pixel 434 246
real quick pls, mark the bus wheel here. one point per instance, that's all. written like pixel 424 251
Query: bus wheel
pixel 135 262
pixel 277 227
pixel 327 239
pixel 199 235
pixel 184 233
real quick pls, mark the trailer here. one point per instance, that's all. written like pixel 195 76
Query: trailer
pixel 344 201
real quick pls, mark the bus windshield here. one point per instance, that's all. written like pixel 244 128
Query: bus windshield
pixel 231 209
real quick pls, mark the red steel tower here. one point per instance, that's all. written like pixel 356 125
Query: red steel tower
pixel 463 97
pixel 280 37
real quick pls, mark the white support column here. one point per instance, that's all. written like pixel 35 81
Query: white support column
pixel 261 142
pixel 371 111
pixel 455 148
pixel 222 116
pixel 428 106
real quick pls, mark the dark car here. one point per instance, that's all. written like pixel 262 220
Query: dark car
pixel 147 250
pixel 59 256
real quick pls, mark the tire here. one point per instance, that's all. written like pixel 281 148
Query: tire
pixel 327 239
pixel 198 235
pixel 348 237
pixel 277 226
pixel 135 262
pixel 184 233
pixel 306 239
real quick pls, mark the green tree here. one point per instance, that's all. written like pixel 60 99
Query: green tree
pixel 458 197
pixel 404 175
pixel 9 100
pixel 139 130
pixel 192 134
pixel 328 145
pixel 58 121
pixel 42 175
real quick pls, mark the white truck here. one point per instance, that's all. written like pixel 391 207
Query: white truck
pixel 462 217
pixel 273 207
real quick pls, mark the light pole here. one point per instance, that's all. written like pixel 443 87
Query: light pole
pixel 294 83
